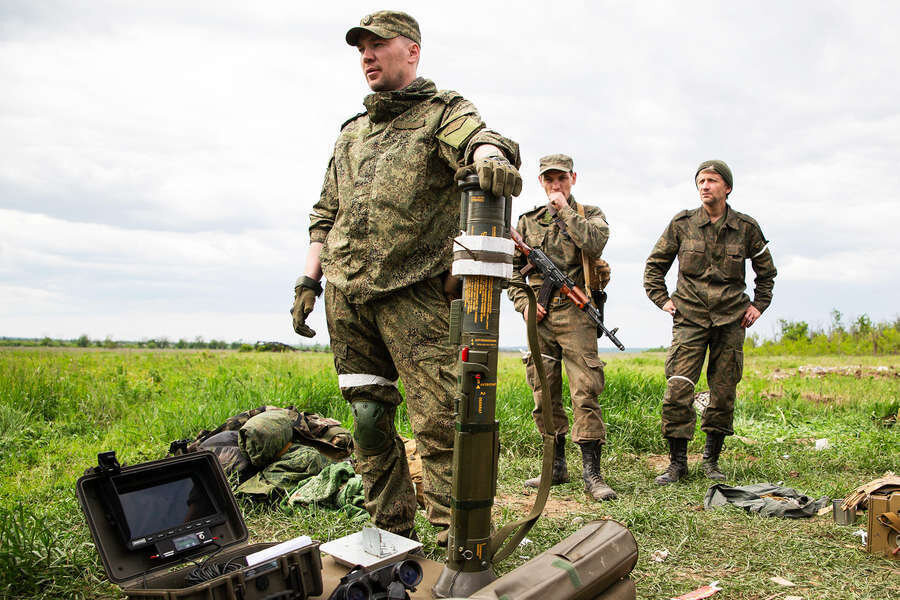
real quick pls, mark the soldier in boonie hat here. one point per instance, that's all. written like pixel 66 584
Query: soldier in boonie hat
pixel 386 24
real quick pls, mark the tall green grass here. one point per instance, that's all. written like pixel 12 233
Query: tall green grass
pixel 60 407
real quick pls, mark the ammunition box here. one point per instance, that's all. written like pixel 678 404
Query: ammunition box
pixel 884 525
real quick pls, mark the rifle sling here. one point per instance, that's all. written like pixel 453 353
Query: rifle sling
pixel 585 264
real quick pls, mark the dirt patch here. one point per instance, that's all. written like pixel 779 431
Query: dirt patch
pixel 812 371
pixel 658 462
pixel 744 456
pixel 555 507
pixel 811 396
pixel 820 398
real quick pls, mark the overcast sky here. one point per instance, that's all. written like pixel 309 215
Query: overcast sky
pixel 158 160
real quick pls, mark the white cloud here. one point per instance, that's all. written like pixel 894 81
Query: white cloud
pixel 845 268
pixel 162 157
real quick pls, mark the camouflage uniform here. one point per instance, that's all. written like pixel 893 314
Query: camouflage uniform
pixel 565 333
pixel 710 302
pixel 387 215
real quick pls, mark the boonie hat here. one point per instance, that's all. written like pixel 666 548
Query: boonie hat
pixel 386 24
pixel 719 167
pixel 556 162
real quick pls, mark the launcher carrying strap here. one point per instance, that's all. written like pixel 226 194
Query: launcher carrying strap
pixel 513 533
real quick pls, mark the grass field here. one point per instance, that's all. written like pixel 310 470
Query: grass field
pixel 60 407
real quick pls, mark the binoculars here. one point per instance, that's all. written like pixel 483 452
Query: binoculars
pixel 390 582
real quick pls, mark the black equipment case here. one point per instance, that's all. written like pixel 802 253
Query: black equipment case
pixel 148 520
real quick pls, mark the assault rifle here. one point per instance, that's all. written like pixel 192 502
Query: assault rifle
pixel 555 279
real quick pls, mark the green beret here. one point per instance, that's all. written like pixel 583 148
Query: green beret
pixel 719 167
pixel 386 24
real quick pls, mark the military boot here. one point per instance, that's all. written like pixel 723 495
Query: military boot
pixel 677 462
pixel 560 470
pixel 714 442
pixel 591 472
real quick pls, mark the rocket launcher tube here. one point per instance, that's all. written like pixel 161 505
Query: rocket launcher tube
pixel 482 248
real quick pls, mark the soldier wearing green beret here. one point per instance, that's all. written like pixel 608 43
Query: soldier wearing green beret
pixel 573 235
pixel 382 233
pixel 710 310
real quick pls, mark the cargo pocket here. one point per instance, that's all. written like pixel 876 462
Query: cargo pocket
pixel 692 258
pixel 738 366
pixel 530 374
pixel 340 351
pixel 671 360
pixel 595 368
pixel 734 262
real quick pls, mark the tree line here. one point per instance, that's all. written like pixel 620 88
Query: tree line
pixel 84 341
pixel 858 337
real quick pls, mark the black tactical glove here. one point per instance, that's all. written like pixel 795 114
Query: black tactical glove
pixel 305 293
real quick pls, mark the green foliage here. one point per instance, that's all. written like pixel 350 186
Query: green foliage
pixel 793 331
pixel 797 338
pixel 37 555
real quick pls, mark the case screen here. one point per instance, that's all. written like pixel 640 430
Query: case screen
pixel 163 506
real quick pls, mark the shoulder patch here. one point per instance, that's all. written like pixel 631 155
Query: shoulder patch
pixel 351 119
pixel 457 131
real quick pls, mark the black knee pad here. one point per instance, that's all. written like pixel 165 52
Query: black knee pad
pixel 373 426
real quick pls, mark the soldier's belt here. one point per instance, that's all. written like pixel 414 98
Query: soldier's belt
pixel 483 255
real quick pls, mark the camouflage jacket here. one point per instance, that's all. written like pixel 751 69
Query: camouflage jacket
pixel 536 226
pixel 389 208
pixel 711 267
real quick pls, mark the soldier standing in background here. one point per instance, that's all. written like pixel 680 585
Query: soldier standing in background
pixel 566 231
pixel 710 310
pixel 382 235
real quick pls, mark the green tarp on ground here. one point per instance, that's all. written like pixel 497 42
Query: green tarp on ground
pixel 766 499
pixel 296 465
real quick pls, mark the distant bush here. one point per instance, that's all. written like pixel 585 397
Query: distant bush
pixel 862 336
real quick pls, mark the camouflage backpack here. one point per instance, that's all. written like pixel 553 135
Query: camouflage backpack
pixel 244 452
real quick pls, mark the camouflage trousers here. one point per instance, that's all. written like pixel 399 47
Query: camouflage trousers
pixel 684 362
pixel 566 335
pixel 401 335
